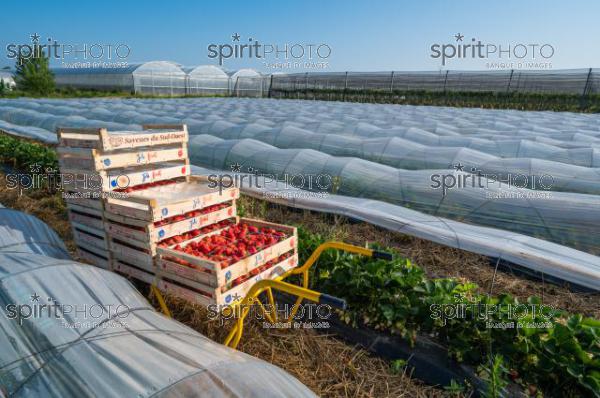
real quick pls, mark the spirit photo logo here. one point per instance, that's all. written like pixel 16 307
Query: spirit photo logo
pixel 73 185
pixel 253 178
pixel 477 179
pixel 96 53
pixel 305 54
pixel 48 308
pixel 462 48
pixel 495 316
pixel 305 316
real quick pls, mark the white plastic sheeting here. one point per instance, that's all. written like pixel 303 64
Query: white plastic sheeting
pixel 97 336
pixel 500 207
pixel 206 80
pixel 403 153
pixel 538 255
pixel 22 233
pixel 386 153
pixel 155 77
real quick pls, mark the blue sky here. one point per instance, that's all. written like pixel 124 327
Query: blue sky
pixel 363 35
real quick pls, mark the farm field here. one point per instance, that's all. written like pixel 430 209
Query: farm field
pixel 455 176
pixel 368 175
pixel 377 377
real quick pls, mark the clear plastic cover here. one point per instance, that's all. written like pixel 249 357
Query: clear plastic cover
pixel 388 154
pixel 70 329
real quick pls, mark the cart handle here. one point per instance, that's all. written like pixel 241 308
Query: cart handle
pixel 332 301
pixel 343 247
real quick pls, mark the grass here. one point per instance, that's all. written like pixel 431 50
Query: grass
pixel 467 99
pixel 488 100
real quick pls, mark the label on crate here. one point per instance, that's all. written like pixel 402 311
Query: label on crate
pixel 134 140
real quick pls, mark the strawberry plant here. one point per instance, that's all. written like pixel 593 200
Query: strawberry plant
pixel 22 154
pixel 562 357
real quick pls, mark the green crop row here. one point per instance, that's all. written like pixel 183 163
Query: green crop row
pixel 22 154
pixel 479 99
pixel 557 351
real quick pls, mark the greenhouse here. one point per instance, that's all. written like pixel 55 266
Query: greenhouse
pixel 156 77
pixel 247 83
pixel 101 320
pixel 206 80
pixel 7 78
pixel 384 162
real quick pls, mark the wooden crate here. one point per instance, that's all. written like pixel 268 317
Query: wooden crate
pixel 139 257
pixel 142 254
pixel 83 234
pixel 86 216
pixel 103 140
pixel 93 255
pixel 209 278
pixel 141 232
pixel 87 159
pixel 202 294
pixel 110 180
pixel 83 199
pixel 157 203
pixel 132 271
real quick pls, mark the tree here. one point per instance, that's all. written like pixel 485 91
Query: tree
pixel 33 73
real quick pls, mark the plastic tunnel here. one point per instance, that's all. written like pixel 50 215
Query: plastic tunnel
pixel 74 330
pixel 389 157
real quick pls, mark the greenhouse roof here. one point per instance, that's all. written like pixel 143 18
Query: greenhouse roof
pixel 244 72
pixel 205 70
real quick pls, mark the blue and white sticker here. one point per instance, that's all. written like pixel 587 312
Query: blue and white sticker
pixel 161 233
pixel 113 183
pixel 165 211
pixel 227 275
pixel 107 162
pixel 228 298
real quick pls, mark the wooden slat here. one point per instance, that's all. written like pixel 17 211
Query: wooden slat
pixel 84 219
pixel 93 259
pixel 106 161
pixel 134 272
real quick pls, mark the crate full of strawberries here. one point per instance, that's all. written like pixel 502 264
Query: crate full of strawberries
pixel 215 267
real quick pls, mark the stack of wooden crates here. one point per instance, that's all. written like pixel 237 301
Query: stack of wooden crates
pixel 131 200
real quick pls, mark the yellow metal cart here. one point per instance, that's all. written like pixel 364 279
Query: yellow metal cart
pixel 242 307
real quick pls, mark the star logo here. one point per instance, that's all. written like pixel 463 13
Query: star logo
pixel 35 297
pixel 459 167
pixel 236 167
pixel 236 297
pixel 35 38
pixel 35 167
pixel 235 37
pixel 458 297
pixel 459 37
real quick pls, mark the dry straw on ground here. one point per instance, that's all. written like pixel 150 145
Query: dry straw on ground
pixel 328 366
